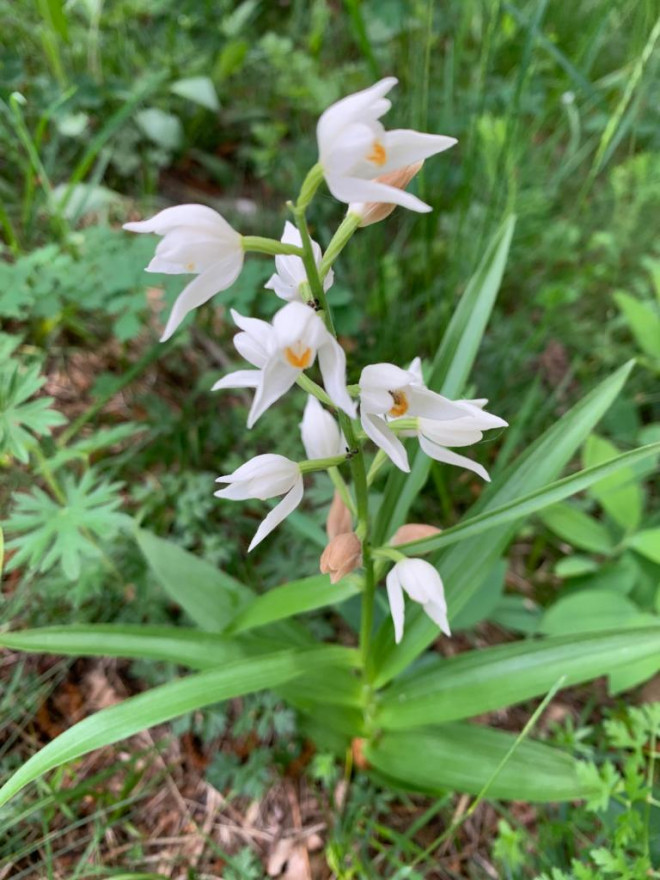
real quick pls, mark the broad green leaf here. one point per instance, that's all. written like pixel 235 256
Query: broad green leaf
pixel 528 504
pixel 209 596
pixel 647 543
pixel 198 89
pixel 338 686
pixel 162 704
pixel 164 129
pixel 297 597
pixel 517 613
pixel 487 601
pixel 577 528
pixel 587 611
pixel 620 495
pixel 463 567
pixel 481 681
pixel 451 369
pixel 463 757
pixel 644 322
pixel 575 566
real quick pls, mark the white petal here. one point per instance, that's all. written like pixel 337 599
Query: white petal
pixel 285 291
pixel 426 403
pixel 183 215
pixel 217 277
pixel 369 102
pixel 384 376
pixel 354 189
pixel 261 466
pixel 439 453
pixel 196 255
pixel 332 362
pixel 276 379
pixel 239 379
pixel 320 433
pixel 376 429
pixel 415 370
pixel 406 146
pixel 437 611
pixel 286 506
pixel 395 597
pixel 420 580
pixel 297 322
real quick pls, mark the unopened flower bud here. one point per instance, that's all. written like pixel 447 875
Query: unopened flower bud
pixel 373 212
pixel 413 532
pixel 339 518
pixel 342 555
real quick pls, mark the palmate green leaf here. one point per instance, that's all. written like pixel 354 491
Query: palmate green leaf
pixel 464 757
pixel 164 703
pixel 54 533
pixel 481 681
pixel 451 370
pixel 20 418
pixel 464 566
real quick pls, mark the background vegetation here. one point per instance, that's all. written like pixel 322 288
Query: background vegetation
pixel 112 110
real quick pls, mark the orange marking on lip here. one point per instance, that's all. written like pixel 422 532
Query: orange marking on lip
pixel 378 154
pixel 190 267
pixel 401 404
pixel 299 361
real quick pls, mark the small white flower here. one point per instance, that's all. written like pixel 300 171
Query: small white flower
pixel 196 241
pixel 354 148
pixel 265 476
pixel 423 584
pixel 320 433
pixel 388 391
pixel 291 275
pixel 440 422
pixel 281 351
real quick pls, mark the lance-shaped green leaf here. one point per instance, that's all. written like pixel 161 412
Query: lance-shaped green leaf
pixel 465 566
pixel 481 681
pixel 464 757
pixel 208 595
pixel 535 501
pixel 451 370
pixel 161 704
pixel 297 597
pixel 187 647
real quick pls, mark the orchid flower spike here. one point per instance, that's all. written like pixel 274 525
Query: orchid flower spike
pixel 354 148
pixel 423 584
pixel 320 433
pixel 290 274
pixel 196 240
pixel 265 476
pixel 281 351
pixel 387 391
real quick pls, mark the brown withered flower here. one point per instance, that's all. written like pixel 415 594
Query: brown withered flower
pixel 413 532
pixel 342 555
pixel 339 518
pixel 374 212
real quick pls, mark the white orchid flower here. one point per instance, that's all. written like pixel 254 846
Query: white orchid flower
pixel 354 148
pixel 320 433
pixel 265 476
pixel 281 351
pixel 423 584
pixel 387 391
pixel 196 241
pixel 439 422
pixel 291 275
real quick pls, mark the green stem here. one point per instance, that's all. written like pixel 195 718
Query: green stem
pixel 47 474
pixel 340 485
pixel 258 244
pixel 338 242
pixel 321 464
pixel 309 385
pixel 358 469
